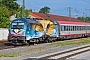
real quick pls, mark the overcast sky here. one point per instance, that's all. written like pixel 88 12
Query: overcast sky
pixel 60 7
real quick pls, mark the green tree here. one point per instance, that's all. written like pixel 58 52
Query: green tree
pixel 4 17
pixel 19 13
pixel 22 11
pixel 45 10
pixel 81 18
pixel 11 5
pixel 84 19
pixel 87 19
pixel 7 9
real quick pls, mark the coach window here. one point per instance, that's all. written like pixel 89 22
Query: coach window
pixel 83 27
pixel 80 28
pixel 88 27
pixel 75 28
pixel 61 27
pixel 64 28
pixel 71 28
pixel 68 28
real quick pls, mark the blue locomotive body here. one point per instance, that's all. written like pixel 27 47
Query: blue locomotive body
pixel 24 31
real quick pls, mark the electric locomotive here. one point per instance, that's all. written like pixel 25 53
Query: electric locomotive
pixel 24 31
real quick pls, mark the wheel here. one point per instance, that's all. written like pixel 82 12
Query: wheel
pixel 37 41
pixel 28 42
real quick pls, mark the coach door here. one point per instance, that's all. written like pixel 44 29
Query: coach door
pixel 57 27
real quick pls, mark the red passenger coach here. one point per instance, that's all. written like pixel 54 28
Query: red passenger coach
pixel 73 29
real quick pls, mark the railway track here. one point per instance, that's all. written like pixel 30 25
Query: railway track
pixel 5 45
pixel 8 45
pixel 62 55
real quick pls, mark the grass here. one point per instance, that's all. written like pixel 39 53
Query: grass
pixel 80 41
pixel 6 55
pixel 9 55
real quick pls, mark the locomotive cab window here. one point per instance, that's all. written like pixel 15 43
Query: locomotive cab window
pixel 17 25
pixel 32 25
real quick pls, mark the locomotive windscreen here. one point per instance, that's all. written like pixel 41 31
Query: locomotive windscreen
pixel 17 25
